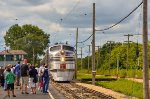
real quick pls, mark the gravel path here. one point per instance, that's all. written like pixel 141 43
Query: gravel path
pixel 136 80
pixel 107 91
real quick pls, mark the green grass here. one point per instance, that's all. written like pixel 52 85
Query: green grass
pixel 83 76
pixel 121 72
pixel 124 86
pixel 88 76
pixel 84 71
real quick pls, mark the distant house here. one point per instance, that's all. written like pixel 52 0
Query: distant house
pixel 12 57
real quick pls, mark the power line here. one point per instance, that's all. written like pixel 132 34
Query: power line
pixel 73 8
pixel 114 24
pixel 86 39
pixel 121 19
pixel 60 20
pixel 70 11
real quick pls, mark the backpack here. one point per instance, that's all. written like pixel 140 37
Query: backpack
pixel 45 74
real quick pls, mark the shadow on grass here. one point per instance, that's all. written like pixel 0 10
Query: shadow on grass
pixel 62 81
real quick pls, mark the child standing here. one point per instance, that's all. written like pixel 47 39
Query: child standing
pixel 10 79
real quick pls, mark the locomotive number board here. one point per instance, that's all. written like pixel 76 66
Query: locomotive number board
pixel 62 66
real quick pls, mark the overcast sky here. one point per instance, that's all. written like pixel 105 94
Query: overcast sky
pixel 60 18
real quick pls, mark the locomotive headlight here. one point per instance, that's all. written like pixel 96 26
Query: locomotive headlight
pixel 62 59
pixel 62 52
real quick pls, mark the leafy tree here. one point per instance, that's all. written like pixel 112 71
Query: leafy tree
pixel 29 38
pixel 118 50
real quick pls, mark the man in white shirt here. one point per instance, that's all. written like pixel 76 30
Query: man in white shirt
pixel 40 73
pixel 37 68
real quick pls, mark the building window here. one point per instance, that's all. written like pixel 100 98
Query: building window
pixel 1 57
pixel 17 57
pixel 9 57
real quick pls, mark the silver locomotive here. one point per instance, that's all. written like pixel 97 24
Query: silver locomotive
pixel 61 61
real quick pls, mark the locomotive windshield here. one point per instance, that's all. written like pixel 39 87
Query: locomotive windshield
pixel 68 48
pixel 54 48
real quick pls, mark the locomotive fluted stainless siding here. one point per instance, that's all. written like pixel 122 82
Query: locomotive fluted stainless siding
pixel 58 59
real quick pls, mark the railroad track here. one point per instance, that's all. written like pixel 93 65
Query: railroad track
pixel 74 91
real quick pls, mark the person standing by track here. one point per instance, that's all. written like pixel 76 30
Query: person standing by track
pixel 33 79
pixel 46 79
pixel 40 73
pixel 24 77
pixel 17 73
pixel 4 73
pixel 1 77
pixel 10 79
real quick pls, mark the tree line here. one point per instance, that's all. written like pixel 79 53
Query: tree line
pixel 107 56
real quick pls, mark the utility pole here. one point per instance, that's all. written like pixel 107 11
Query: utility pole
pixel 110 45
pixel 127 64
pixel 81 58
pixel 47 55
pixel 5 56
pixel 117 66
pixel 76 53
pixel 5 53
pixel 138 61
pixel 145 51
pixel 33 56
pixel 98 56
pixel 89 57
pixel 93 48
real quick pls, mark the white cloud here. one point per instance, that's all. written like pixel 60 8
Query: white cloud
pixel 47 14
pixel 65 6
pixel 3 3
pixel 6 15
pixel 39 8
pixel 55 27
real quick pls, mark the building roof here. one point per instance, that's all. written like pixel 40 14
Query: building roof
pixel 13 52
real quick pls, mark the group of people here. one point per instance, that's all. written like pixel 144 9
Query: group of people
pixel 26 76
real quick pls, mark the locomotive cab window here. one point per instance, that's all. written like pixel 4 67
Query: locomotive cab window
pixel 55 48
pixel 69 48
